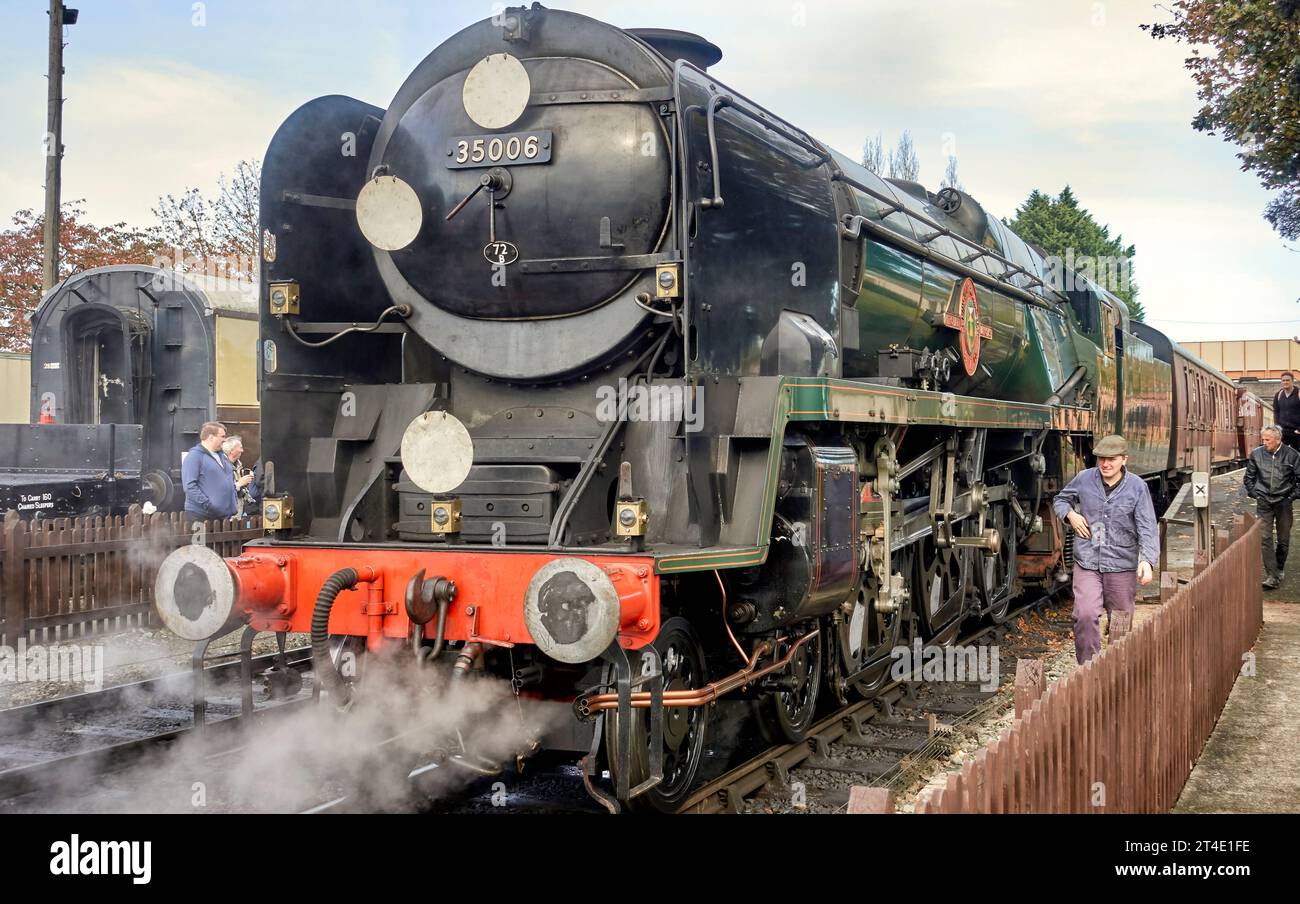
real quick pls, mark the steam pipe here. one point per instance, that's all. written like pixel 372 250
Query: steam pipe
pixel 702 695
pixel 1068 386
pixel 726 622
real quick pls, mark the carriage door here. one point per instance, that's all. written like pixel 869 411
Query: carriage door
pixel 1110 413
pixel 100 384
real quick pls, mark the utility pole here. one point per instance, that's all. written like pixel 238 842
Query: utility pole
pixel 59 17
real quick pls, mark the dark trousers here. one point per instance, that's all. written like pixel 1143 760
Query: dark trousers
pixel 1291 438
pixel 1114 591
pixel 1275 535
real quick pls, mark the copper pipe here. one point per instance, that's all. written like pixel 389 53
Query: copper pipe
pixel 706 694
pixel 726 622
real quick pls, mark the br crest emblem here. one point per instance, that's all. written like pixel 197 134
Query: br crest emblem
pixel 966 321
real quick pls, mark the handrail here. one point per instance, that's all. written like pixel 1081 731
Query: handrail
pixel 762 117
pixel 1012 268
pixel 851 225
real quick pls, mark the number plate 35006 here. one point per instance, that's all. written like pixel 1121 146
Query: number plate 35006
pixel 512 149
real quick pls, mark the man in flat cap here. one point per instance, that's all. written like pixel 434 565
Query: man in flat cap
pixel 1115 540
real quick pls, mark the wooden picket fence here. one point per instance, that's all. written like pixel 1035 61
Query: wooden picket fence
pixel 1121 733
pixel 69 577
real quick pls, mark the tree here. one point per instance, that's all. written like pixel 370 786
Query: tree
pixel 1250 88
pixel 950 175
pixel 873 154
pixel 82 246
pixel 217 236
pixel 1076 242
pixel 902 162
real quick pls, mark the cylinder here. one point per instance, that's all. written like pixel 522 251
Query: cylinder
pixel 259 582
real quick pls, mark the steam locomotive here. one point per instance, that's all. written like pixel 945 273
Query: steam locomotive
pixel 128 362
pixel 582 370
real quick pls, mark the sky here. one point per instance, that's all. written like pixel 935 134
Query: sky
pixel 1029 94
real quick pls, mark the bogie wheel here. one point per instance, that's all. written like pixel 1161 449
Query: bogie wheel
pixel 682 659
pixel 785 715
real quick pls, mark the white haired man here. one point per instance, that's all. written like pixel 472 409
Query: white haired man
pixel 1273 481
pixel 246 494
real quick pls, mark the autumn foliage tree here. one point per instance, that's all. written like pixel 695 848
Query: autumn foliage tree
pixel 216 236
pixel 1246 64
pixel 82 246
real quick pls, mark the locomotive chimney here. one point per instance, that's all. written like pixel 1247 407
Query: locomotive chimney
pixel 680 45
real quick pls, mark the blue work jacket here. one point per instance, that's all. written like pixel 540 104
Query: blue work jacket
pixel 1123 524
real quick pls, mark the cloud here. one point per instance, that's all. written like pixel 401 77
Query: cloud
pixel 137 130
pixel 1035 95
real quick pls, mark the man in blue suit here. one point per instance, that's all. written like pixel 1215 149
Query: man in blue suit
pixel 206 474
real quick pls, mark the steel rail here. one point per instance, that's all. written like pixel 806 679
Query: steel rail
pixel 44 711
pixel 34 777
pixel 726 793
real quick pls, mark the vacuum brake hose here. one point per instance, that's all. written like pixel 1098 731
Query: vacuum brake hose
pixel 326 674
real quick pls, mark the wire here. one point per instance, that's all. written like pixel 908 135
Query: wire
pixel 658 312
pixel 1227 322
pixel 403 309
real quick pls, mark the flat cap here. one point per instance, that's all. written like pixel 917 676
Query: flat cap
pixel 1110 446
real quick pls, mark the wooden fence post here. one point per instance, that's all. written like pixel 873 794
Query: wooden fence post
pixel 1164 546
pixel 1030 683
pixel 1168 586
pixel 870 800
pixel 15 596
pixel 1119 625
pixel 1222 540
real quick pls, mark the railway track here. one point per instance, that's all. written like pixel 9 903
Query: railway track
pixel 880 741
pixel 46 746
pixel 887 740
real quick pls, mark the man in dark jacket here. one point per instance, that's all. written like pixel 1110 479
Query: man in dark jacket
pixel 1286 410
pixel 1273 481
pixel 207 477
pixel 1116 540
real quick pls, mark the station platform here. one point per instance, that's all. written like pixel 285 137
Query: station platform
pixel 1251 764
